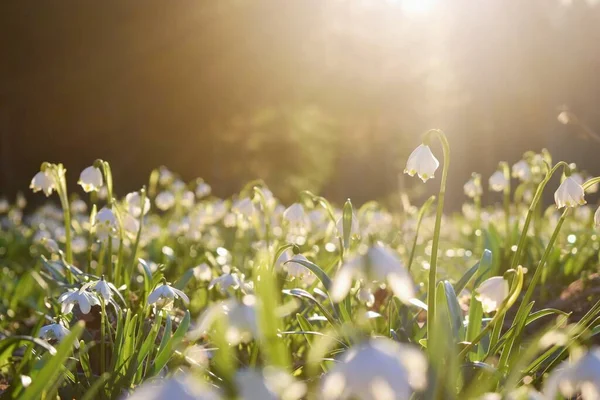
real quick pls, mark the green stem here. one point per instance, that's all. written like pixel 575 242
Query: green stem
pixel 506 173
pixel 431 301
pixel 420 215
pixel 102 334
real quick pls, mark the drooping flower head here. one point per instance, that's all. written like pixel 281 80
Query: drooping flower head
pixel 492 292
pixel 522 171
pixel 473 187
pixel 498 181
pixel 579 377
pixel 55 332
pixel 422 162
pixel 569 194
pixel 90 179
pixel 165 294
pixel 43 181
pixel 81 297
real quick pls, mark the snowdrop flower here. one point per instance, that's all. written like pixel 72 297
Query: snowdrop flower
pixel 473 188
pixel 165 294
pixel 498 181
pixel 571 378
pixel 44 181
pixel 378 369
pixel 569 194
pixel 82 297
pixel 242 320
pixel 164 200
pixel 55 332
pixel 103 288
pixel 90 179
pixel 422 162
pixel 226 281
pixel 134 204
pixel 202 190
pixel 521 170
pixel 378 264
pixel 203 272
pixel 298 271
pixel 270 384
pixel 492 292
pixel 179 387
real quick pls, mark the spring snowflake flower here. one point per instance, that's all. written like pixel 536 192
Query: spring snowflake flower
pixel 295 215
pixel 378 264
pixel 472 188
pixel 579 377
pixel 377 369
pixel 270 384
pixel 521 170
pixel 164 200
pixel 492 292
pixel 202 190
pixel 422 162
pixel 243 207
pixel 187 199
pixel 43 181
pixel 498 182
pixel 55 332
pixel 90 179
pixel 106 217
pixel 134 204
pixel 82 297
pixel 242 320
pixel 298 271
pixel 179 387
pixel 165 294
pixel 569 194
pixel 78 206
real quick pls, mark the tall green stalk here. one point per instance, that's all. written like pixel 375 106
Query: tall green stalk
pixel 431 298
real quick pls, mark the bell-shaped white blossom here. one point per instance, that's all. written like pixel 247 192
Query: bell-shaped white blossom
pixel 167 293
pixel 82 297
pixel 270 384
pixel 187 199
pixel 578 377
pixel 134 204
pixel 521 170
pixel 55 332
pixel 365 296
pixel 90 179
pixel 378 264
pixel 244 207
pixel 564 118
pixel 472 188
pixel 226 281
pixel 179 387
pixel 242 320
pixel 43 181
pixel 298 271
pixel 569 194
pixel 422 162
pixel 498 182
pixel 103 288
pixel 164 200
pixel 203 272
pixel 296 215
pixel 377 369
pixel 492 292
pixel 106 217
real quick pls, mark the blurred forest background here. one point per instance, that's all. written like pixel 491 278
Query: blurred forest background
pixel 326 95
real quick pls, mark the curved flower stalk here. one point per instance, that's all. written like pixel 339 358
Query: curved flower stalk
pixel 431 292
pixel 377 369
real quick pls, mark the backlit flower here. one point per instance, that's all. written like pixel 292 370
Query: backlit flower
pixel 473 188
pixel 83 298
pixel 179 387
pixel 378 264
pixel 579 377
pixel 55 332
pixel 164 200
pixel 43 181
pixel 422 162
pixel 521 170
pixel 90 179
pixel 103 288
pixel 202 190
pixel 498 181
pixel 134 204
pixel 164 294
pixel 492 292
pixel 377 369
pixel 269 384
pixel 203 272
pixel 569 194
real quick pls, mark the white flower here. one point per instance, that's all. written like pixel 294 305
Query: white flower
pixel 365 296
pixel 202 190
pixel 422 162
pixel 270 384
pixel 203 272
pixel 90 179
pixel 472 188
pixel 187 199
pixel 44 181
pixel 134 204
pixel 298 271
pixel 83 298
pixel 78 206
pixel 295 215
pixel 563 118
pixel 179 387
pixel 521 170
pixel 130 225
pixel 569 194
pixel 378 369
pixel 378 264
pixel 571 378
pixel 164 200
pixel 244 207
pixel 597 217
pixel 242 322
pixel 492 292
pixel 498 181
pixel 164 175
pixel 354 227
pixel 106 217
pixel 167 294
pixel 4 205
pixel 226 281
pixel 103 288
pixel 55 332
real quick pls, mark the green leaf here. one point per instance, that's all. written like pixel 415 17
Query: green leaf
pixel 165 354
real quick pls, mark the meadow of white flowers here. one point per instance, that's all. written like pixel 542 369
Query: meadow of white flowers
pixel 172 293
